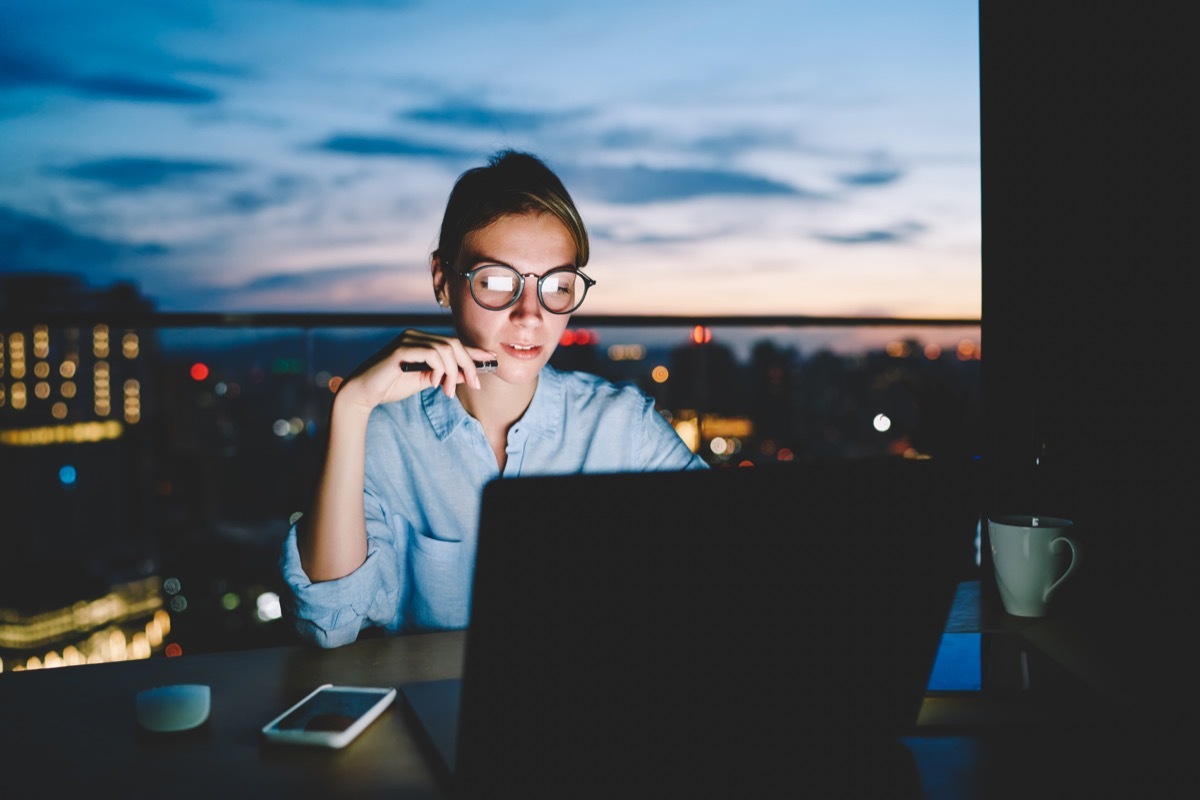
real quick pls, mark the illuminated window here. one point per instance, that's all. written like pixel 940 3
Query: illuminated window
pixel 41 390
pixel 16 354
pixel 68 389
pixel 129 345
pixel 41 341
pixel 100 341
pixel 133 401
pixel 67 368
pixel 59 410
pixel 102 400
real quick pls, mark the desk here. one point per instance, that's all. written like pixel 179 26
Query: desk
pixel 71 731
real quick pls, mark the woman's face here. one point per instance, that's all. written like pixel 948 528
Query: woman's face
pixel 524 335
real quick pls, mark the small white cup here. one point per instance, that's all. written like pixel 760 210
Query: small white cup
pixel 1032 555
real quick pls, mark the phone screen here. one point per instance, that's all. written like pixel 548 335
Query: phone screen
pixel 330 715
pixel 329 710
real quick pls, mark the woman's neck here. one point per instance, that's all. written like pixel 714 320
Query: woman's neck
pixel 497 405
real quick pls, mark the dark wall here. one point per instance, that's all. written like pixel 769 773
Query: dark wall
pixel 1088 322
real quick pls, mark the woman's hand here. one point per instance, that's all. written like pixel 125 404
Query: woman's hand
pixel 380 378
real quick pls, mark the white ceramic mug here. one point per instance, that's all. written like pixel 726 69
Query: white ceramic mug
pixel 1033 556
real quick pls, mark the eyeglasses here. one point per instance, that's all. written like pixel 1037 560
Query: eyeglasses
pixel 497 287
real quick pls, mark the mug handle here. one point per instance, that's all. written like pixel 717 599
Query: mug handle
pixel 1056 546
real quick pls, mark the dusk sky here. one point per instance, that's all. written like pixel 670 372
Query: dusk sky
pixel 815 157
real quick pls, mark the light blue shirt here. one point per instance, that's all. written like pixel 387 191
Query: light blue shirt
pixel 427 461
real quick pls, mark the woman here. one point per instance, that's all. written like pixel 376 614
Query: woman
pixel 390 538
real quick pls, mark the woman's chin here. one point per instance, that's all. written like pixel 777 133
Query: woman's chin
pixel 518 372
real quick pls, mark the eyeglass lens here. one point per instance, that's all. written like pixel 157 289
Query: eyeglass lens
pixel 497 287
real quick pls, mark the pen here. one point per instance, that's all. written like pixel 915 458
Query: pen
pixel 421 366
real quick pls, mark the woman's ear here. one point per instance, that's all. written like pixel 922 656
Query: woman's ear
pixel 441 291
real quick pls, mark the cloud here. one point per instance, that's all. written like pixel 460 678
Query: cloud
pixel 369 287
pixel 640 184
pixel 732 144
pixel 871 177
pixel 389 146
pixel 481 117
pixel 625 138
pixel 19 69
pixel 610 234
pixel 880 170
pixel 142 173
pixel 281 191
pixel 383 5
pixel 901 233
pixel 29 242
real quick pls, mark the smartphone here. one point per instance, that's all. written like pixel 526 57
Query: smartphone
pixel 330 716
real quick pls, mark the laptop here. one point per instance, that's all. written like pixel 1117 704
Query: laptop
pixel 681 632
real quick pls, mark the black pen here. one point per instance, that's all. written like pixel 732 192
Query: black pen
pixel 421 366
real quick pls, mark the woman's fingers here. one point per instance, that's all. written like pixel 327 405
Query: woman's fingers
pixel 447 360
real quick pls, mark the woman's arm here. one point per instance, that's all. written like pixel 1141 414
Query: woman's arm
pixel 332 536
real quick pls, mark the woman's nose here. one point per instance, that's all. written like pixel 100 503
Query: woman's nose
pixel 527 306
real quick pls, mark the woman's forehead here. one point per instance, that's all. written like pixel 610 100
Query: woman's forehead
pixel 514 239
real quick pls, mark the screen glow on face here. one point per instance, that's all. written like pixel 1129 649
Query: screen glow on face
pixel 500 283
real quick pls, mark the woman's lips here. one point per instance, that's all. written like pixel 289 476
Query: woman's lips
pixel 523 352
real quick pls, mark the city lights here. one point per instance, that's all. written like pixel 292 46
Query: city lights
pixel 626 352
pixel 41 341
pixel 580 337
pixel 126 623
pixel 100 341
pixel 62 434
pixel 211 431
pixel 688 428
pixel 268 607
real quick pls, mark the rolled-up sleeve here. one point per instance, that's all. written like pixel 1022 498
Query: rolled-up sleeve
pixel 331 613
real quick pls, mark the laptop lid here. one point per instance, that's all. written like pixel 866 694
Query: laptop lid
pixel 694 628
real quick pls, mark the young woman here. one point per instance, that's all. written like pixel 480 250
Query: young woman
pixel 390 538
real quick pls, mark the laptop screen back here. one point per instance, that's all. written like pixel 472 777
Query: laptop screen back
pixel 699 627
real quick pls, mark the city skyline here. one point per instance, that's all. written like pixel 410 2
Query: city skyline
pixel 812 158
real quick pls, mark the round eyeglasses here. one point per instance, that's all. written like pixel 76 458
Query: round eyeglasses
pixel 497 287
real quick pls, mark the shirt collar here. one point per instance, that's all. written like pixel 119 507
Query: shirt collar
pixel 544 417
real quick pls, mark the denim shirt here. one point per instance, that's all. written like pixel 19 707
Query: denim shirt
pixel 427 461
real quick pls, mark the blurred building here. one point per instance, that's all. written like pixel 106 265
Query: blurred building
pixel 77 569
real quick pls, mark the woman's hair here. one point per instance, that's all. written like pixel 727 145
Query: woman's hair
pixel 512 183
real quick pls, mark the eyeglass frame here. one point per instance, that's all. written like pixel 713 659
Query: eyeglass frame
pixel 588 283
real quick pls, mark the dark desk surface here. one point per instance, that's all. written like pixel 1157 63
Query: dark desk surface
pixel 72 730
